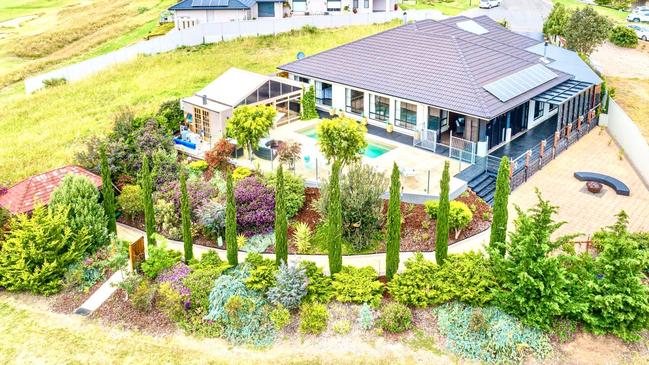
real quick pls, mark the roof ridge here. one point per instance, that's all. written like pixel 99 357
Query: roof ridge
pixel 467 69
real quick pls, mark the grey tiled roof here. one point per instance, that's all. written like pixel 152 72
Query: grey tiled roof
pixel 232 5
pixel 434 63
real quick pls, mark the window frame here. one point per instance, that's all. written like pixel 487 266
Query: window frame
pixel 298 11
pixel 349 101
pixel 539 109
pixel 381 117
pixel 399 121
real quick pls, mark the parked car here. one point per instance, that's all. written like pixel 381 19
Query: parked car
pixel 488 4
pixel 640 8
pixel 641 32
pixel 641 16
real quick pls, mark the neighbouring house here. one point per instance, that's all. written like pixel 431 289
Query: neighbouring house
pixel 456 82
pixel 207 111
pixel 24 196
pixel 189 13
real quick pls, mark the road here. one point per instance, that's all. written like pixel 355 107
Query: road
pixel 523 16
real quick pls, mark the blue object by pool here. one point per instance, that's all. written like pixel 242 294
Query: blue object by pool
pixel 373 149
pixel 185 143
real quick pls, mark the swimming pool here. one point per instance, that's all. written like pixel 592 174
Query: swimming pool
pixel 373 150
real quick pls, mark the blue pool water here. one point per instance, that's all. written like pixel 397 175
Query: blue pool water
pixel 373 149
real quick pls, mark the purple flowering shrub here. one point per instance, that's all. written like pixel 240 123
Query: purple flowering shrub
pixel 255 206
pixel 200 192
pixel 175 276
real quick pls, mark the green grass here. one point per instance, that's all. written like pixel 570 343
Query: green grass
pixel 453 7
pixel 44 130
pixel 618 16
pixel 10 9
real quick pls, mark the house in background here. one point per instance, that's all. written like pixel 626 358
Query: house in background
pixel 207 111
pixel 459 81
pixel 189 13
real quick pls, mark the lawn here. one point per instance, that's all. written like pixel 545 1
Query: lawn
pixel 633 97
pixel 45 34
pixel 44 130
pixel 453 7
pixel 616 15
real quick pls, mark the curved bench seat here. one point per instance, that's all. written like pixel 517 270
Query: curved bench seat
pixel 619 187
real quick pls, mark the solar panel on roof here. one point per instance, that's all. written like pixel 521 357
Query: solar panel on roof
pixel 511 86
pixel 210 3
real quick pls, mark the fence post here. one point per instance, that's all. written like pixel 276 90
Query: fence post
pixel 528 154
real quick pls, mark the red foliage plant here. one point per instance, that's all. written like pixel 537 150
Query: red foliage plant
pixel 218 157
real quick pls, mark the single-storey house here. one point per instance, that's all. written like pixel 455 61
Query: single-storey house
pixel 207 111
pixel 459 80
pixel 188 13
pixel 24 196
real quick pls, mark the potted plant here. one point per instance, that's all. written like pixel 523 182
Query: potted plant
pixel 364 121
pixel 389 127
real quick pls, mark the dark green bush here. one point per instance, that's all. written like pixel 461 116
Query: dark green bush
pixel 159 259
pixel 313 318
pixel 357 285
pixel 467 278
pixel 293 192
pixel 319 287
pixel 624 37
pixel 396 318
pixel 200 282
pixel 170 116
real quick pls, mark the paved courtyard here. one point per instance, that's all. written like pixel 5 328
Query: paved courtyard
pixel 587 213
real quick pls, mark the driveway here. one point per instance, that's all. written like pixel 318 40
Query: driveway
pixel 523 16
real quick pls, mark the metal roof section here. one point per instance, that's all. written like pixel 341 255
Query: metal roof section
pixel 218 3
pixel 233 86
pixel 471 26
pixel 522 81
pixel 562 92
pixel 566 61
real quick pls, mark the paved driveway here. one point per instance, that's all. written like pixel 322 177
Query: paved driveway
pixel 524 16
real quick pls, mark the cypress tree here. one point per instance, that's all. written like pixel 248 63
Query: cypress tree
pixel 107 192
pixel 441 228
pixel 186 218
pixel 335 221
pixel 281 222
pixel 147 191
pixel 500 213
pixel 393 235
pixel 231 223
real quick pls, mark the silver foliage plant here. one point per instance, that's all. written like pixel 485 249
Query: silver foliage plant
pixel 290 288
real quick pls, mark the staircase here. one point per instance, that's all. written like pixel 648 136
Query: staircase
pixel 484 185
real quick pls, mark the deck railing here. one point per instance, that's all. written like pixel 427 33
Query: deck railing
pixel 462 149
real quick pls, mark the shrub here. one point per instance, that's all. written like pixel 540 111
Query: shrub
pixel 489 335
pixel 460 214
pixel 293 191
pixel 169 115
pixel 170 302
pixel 361 191
pixel 290 286
pixel 211 216
pixel 313 318
pixel 280 317
pixel 165 166
pixel 319 287
pixel 308 110
pixel 55 81
pixel 258 243
pixel 143 297
pixel 199 192
pixel 131 200
pixel 357 285
pixel 289 152
pixel 200 281
pixel 159 259
pixel 218 158
pixel 80 198
pixel 167 220
pixel 197 167
pixel 302 237
pixel 342 327
pixel 240 173
pixel 623 37
pixel 341 139
pixel 366 317
pixel 255 205
pixel 175 276
pixel 82 277
pixel 38 249
pixel 467 278
pixel 262 276
pixel 396 318
pixel 130 283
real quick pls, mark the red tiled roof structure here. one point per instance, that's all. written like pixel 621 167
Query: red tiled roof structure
pixel 25 195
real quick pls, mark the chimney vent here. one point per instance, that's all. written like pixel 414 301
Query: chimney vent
pixel 204 99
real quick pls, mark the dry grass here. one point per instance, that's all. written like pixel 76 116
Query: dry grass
pixel 633 97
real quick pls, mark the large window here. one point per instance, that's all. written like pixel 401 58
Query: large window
pixel 354 101
pixel 366 4
pixel 379 108
pixel 299 6
pixel 437 118
pixel 202 122
pixel 333 5
pixel 323 93
pixel 355 4
pixel 406 115
pixel 538 109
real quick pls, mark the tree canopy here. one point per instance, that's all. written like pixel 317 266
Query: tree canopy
pixel 342 139
pixel 586 30
pixel 249 124
pixel 557 21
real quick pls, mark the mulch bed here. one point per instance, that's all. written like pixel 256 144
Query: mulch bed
pixel 116 310
pixel 70 299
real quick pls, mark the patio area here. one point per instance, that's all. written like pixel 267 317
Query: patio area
pixel 527 140
pixel 585 212
pixel 421 170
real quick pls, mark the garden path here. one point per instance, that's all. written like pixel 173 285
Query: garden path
pixel 101 295
pixel 377 260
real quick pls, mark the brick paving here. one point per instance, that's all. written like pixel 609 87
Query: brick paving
pixel 586 213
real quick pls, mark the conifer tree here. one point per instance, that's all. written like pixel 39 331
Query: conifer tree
pixel 147 190
pixel 393 235
pixel 441 227
pixel 281 222
pixel 231 223
pixel 500 213
pixel 308 104
pixel 108 193
pixel 334 224
pixel 185 217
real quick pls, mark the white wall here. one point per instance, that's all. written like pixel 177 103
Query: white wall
pixel 627 135
pixel 531 122
pixel 214 16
